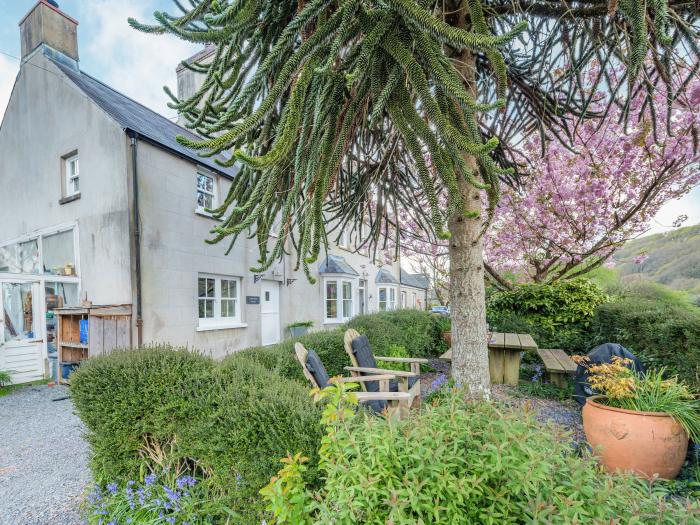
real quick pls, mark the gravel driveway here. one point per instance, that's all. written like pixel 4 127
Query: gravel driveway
pixel 43 458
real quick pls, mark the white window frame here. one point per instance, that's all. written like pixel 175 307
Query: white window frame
pixel 404 299
pixel 214 193
pixel 415 300
pixel 344 239
pixel 218 321
pixel 339 299
pixel 390 303
pixel 70 190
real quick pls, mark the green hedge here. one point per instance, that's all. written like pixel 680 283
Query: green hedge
pixel 660 332
pixel 417 331
pixel 281 359
pixel 227 422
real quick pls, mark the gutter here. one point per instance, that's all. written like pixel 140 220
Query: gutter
pixel 137 236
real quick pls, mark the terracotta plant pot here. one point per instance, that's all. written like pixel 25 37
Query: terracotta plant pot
pixel 447 336
pixel 646 443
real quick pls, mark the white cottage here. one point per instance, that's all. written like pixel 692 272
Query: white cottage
pixel 99 203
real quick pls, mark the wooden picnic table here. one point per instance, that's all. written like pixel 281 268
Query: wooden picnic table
pixel 504 356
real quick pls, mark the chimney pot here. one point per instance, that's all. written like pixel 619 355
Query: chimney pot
pixel 46 24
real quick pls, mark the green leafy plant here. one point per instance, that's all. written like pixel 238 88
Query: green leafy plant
pixel 657 326
pixel 545 390
pixel 5 378
pixel 417 331
pixel 224 423
pixel 648 392
pixel 460 462
pixel 394 351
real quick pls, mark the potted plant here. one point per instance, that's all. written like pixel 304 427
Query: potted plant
pixel 299 328
pixel 639 422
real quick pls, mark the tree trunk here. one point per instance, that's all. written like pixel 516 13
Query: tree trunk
pixel 470 358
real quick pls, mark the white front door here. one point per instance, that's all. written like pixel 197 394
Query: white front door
pixel 21 341
pixel 270 313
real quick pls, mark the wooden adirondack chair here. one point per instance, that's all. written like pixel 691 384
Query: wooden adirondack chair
pixel 396 404
pixel 364 364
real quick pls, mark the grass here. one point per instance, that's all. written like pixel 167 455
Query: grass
pixel 8 389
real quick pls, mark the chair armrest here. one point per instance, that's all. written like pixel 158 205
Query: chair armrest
pixel 397 373
pixel 363 379
pixel 383 396
pixel 402 359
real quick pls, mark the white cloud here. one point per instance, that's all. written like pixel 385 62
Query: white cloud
pixel 8 73
pixel 135 63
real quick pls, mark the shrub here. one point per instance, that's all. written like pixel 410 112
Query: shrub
pixel 461 462
pixel 394 351
pixel 223 422
pixel 556 315
pixel 661 332
pixel 280 358
pixel 417 331
pixel 5 378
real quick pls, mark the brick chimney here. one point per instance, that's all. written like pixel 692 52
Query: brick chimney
pixel 47 25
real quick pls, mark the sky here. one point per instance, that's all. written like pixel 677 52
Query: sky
pixel 139 65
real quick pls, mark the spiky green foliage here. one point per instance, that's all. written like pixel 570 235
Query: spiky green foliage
pixel 353 109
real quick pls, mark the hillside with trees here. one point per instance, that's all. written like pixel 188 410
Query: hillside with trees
pixel 671 258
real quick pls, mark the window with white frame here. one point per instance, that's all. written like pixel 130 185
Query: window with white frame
pixel 206 192
pixel 404 299
pixel 415 300
pixel 218 300
pixel 344 239
pixel 387 298
pixel 72 174
pixel 338 299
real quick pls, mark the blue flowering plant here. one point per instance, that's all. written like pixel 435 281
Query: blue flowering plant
pixel 440 389
pixel 159 499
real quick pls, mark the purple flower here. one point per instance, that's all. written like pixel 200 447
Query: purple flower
pixel 170 520
pixel 172 494
pixel 112 488
pixel 439 381
pixel 185 481
pixel 150 479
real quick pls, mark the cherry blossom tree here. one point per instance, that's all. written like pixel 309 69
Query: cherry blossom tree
pixel 579 203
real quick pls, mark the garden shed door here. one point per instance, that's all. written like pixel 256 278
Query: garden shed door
pixel 270 313
pixel 21 341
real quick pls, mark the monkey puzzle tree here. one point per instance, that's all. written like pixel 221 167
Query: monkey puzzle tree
pixel 330 107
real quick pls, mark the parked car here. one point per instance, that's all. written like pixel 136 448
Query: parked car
pixel 440 310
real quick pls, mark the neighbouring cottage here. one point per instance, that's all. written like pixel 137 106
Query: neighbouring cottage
pixel 99 203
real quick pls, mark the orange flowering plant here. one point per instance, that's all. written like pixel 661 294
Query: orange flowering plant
pixel 652 391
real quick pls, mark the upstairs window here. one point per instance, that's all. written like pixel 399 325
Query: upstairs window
pixel 70 177
pixel 206 192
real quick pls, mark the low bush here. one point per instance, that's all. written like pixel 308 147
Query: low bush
pixel 280 358
pixel 225 423
pixel 417 331
pixel 660 329
pixel 460 462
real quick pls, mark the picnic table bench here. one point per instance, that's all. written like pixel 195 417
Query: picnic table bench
pixel 504 356
pixel 558 365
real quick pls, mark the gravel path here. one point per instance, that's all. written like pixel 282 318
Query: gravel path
pixel 43 458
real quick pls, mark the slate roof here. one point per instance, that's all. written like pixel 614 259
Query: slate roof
pixel 336 264
pixel 132 116
pixel 416 280
pixel 385 277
